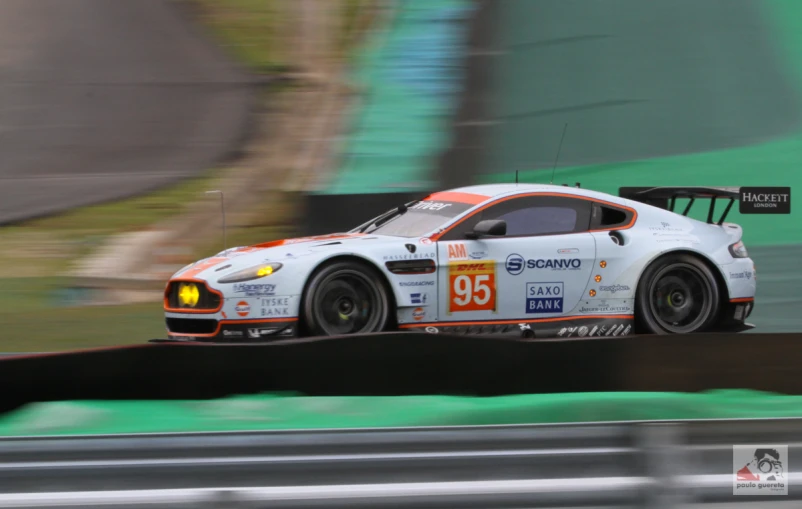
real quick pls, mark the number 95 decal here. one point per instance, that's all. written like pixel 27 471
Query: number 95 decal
pixel 472 286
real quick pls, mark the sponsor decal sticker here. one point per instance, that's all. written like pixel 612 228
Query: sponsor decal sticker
pixel 275 307
pixel 430 205
pixel 276 301
pixel 418 314
pixel 232 333
pixel 477 255
pixel 760 469
pixel 409 256
pixel 614 288
pixel 432 330
pixel 472 286
pixel 741 275
pixel 416 283
pixel 457 252
pixel 515 264
pixel 765 200
pixel 255 290
pixel 418 298
pixel 544 298
pixel 410 247
pixel 665 227
pixel 582 331
pixel 622 307
pixel 243 308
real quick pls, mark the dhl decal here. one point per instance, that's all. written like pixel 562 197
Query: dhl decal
pixel 472 286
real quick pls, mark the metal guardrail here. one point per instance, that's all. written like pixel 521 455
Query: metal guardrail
pixel 638 464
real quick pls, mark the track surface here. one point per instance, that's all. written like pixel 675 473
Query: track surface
pixel 103 99
pixel 634 80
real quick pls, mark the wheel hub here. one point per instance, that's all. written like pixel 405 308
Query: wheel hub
pixel 346 303
pixel 680 299
pixel 345 307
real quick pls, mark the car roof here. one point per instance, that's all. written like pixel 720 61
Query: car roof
pixel 493 191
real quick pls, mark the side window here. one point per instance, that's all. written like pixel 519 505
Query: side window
pixel 540 220
pixel 608 217
pixel 533 215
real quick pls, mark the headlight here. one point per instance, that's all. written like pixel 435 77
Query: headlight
pixel 248 274
pixel 738 250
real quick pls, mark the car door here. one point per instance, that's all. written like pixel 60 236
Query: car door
pixel 538 270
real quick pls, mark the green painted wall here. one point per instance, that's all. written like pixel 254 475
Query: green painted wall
pixel 775 163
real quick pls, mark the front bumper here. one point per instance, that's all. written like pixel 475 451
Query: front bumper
pixel 207 329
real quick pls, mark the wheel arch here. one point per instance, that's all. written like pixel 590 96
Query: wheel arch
pixel 352 257
pixel 721 281
pixel 718 274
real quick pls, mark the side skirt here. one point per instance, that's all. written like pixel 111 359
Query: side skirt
pixel 575 326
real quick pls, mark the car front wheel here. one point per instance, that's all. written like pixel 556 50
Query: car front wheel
pixel 345 297
pixel 678 294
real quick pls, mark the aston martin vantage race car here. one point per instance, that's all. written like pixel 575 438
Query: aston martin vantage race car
pixel 525 260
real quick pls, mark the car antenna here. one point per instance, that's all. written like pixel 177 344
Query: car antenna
pixel 558 154
pixel 223 212
pixel 516 177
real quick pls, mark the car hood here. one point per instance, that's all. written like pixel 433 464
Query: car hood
pixel 284 251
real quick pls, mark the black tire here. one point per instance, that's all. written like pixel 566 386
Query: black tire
pixel 337 292
pixel 677 294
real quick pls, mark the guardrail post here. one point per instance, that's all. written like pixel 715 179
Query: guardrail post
pixel 664 460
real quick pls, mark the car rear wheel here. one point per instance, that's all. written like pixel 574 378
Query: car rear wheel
pixel 345 297
pixel 678 294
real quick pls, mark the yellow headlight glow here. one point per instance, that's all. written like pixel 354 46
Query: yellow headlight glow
pixel 265 271
pixel 188 295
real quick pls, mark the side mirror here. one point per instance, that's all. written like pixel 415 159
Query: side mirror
pixel 488 227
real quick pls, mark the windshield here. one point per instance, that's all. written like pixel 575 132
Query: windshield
pixel 420 218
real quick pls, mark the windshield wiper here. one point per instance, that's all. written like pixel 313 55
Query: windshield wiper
pixel 383 219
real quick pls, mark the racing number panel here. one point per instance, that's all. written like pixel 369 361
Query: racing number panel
pixel 472 286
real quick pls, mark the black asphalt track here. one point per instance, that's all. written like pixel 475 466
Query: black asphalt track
pixel 633 79
pixel 102 99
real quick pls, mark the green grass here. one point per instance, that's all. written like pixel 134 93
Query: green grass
pixel 47 329
pixel 47 246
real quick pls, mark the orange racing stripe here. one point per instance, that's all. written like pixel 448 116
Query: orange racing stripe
pixel 469 198
pixel 197 269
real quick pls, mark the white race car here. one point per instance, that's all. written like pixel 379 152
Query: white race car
pixel 525 260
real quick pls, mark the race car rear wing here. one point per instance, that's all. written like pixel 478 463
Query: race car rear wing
pixel 754 200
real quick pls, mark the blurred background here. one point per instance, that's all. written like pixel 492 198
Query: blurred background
pixel 117 118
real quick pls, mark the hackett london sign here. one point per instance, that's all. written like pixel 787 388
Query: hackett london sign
pixel 765 200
